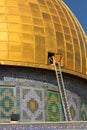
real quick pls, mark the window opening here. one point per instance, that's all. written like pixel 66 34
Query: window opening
pixel 50 57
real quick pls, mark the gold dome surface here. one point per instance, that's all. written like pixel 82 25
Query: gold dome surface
pixel 29 29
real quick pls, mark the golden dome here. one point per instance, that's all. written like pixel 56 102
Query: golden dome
pixel 30 29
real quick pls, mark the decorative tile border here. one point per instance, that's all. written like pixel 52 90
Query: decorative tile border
pixel 45 126
pixel 33 83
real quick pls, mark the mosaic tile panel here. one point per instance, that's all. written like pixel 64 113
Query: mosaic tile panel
pixel 74 105
pixel 7 102
pixel 54 106
pixel 83 110
pixel 32 104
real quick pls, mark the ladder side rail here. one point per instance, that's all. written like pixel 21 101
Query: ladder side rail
pixel 63 95
pixel 66 118
pixel 63 83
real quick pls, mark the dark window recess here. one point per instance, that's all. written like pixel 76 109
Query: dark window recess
pixel 15 117
pixel 50 59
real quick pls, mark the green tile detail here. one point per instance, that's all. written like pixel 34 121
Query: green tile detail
pixel 7 102
pixel 54 106
pixel 83 110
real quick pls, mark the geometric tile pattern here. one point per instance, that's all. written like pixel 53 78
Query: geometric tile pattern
pixel 54 106
pixel 74 105
pixel 7 102
pixel 32 104
pixel 83 110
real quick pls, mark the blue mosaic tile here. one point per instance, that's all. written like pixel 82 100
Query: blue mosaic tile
pixel 7 102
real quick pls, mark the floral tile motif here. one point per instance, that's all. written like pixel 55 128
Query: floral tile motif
pixel 54 106
pixel 32 104
pixel 7 102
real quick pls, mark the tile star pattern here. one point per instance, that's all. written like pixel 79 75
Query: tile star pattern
pixel 32 104
pixel 54 106
pixel 7 102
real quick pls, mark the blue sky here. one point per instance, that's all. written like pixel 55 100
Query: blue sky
pixel 79 8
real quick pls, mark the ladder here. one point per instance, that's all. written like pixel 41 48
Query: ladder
pixel 62 90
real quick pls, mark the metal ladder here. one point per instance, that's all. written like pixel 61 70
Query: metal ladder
pixel 62 90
